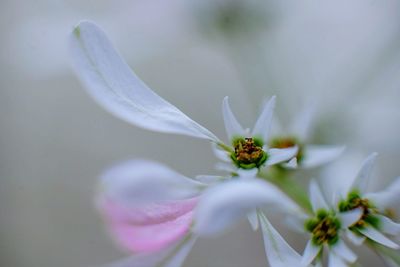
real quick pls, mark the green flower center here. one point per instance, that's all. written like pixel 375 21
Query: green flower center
pixel 355 201
pixel 324 228
pixel 248 153
pixel 286 142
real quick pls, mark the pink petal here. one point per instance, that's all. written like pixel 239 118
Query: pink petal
pixel 149 227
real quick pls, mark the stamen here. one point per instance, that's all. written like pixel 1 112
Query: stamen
pixel 324 228
pixel 248 153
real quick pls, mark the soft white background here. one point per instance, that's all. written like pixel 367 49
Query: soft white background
pixel 55 140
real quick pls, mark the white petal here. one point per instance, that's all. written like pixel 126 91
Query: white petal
pixel 317 200
pixel 171 257
pixel 362 180
pixel 232 126
pixel 388 226
pixel 220 153
pixel 348 218
pixel 222 205
pixel 378 237
pixel 209 179
pixel 355 238
pixel 295 223
pixel 303 123
pixel 279 252
pixel 316 155
pixel 264 121
pixel 340 248
pixel 292 164
pixel 310 252
pixel 226 167
pixel 114 86
pixel 247 173
pixel 336 261
pixel 253 219
pixel 141 181
pixel 388 197
pixel 278 155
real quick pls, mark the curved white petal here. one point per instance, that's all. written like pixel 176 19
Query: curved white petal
pixel 316 155
pixel 303 122
pixel 142 181
pixel 388 197
pixel 253 219
pixel 226 167
pixel 171 257
pixel 356 239
pixel 292 164
pixel 378 237
pixel 388 226
pixel 264 121
pixel 317 199
pixel 348 218
pixel 114 86
pixel 209 179
pixel 336 261
pixel 220 153
pixel 232 126
pixel 222 205
pixel 279 252
pixel 340 248
pixel 247 173
pixel 362 179
pixel 279 155
pixel 310 252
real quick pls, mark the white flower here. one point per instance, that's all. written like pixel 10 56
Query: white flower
pixel 112 83
pixel 298 134
pixel 326 226
pixel 373 223
pixel 158 213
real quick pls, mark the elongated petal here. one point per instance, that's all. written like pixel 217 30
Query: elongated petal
pixel 171 257
pixel 279 155
pixel 386 198
pixel 141 181
pixel 340 248
pixel 349 218
pixel 219 153
pixel 253 219
pixel 310 252
pixel 264 121
pixel 279 252
pixel 336 261
pixel 318 155
pixel 114 86
pixel 317 199
pixel 232 126
pixel 302 124
pixel 222 205
pixel 362 180
pixel 378 237
pixel 209 179
pixel 150 227
pixel 356 239
pixel 388 226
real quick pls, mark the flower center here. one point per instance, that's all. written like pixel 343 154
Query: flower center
pixel 354 201
pixel 286 142
pixel 248 153
pixel 324 228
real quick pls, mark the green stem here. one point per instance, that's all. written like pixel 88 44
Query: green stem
pixel 280 177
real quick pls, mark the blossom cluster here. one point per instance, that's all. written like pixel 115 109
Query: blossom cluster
pixel 157 213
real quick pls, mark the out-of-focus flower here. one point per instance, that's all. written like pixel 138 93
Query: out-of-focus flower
pixel 375 221
pixel 298 134
pixel 111 82
pixel 158 213
pixel 326 227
